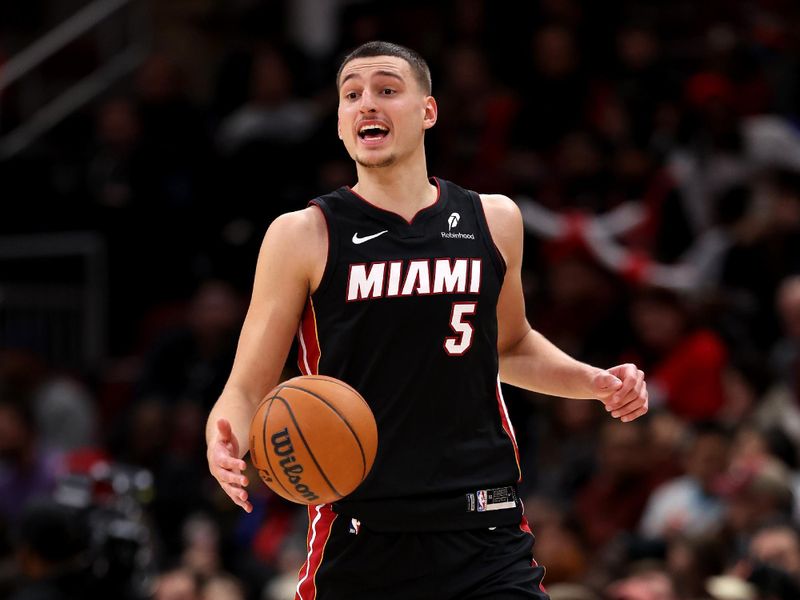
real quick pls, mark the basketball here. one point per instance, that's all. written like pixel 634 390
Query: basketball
pixel 313 439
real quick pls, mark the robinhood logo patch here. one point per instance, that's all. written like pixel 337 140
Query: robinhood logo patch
pixel 452 223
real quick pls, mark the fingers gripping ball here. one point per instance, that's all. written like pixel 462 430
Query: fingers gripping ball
pixel 313 439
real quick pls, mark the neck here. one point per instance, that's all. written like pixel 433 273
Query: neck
pixel 402 188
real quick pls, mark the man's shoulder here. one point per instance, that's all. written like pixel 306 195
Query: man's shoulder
pixel 499 201
pixel 501 211
pixel 305 224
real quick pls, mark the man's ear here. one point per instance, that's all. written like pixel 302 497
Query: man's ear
pixel 431 112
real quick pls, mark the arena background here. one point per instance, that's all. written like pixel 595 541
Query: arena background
pixel 653 147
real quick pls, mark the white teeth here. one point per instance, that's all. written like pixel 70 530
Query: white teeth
pixel 365 127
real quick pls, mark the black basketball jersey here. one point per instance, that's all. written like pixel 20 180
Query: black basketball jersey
pixel 406 314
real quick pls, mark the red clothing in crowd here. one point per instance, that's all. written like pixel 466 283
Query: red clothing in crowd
pixel 691 376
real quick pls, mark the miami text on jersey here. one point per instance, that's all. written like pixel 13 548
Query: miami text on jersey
pixel 418 277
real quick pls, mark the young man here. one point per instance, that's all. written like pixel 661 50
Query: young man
pixel 409 289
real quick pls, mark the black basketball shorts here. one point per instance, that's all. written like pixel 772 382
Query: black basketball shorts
pixel 348 561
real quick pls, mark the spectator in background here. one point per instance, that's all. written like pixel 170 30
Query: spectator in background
pixel 116 168
pixel 613 499
pixel 554 91
pixel 641 80
pixel 189 363
pixel 690 561
pixel 176 195
pixel 476 133
pixel 772 562
pixel 273 113
pixel 689 504
pixel 766 251
pixel 755 447
pixel 565 450
pixel 746 380
pixel 273 130
pixel 583 312
pixel 27 472
pixel 571 591
pixel 182 375
pixel 755 493
pixel 786 353
pixel 177 584
pixel 685 362
pixel 63 408
pixel 652 584
pixel 778 545
pixel 173 135
pixel 222 588
pixel 51 551
pixel 558 544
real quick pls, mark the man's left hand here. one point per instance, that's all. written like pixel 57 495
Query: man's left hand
pixel 623 391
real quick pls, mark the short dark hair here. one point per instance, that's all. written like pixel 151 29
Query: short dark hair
pixel 419 67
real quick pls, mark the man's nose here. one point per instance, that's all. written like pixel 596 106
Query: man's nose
pixel 367 102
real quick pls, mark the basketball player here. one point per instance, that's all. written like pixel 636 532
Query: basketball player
pixel 408 288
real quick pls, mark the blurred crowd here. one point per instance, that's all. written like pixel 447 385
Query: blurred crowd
pixel 687 110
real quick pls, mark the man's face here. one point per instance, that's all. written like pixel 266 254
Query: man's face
pixel 778 547
pixel 383 111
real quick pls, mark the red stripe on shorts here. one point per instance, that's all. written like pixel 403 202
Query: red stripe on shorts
pixel 525 526
pixel 320 521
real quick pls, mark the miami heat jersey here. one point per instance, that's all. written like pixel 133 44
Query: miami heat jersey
pixel 406 314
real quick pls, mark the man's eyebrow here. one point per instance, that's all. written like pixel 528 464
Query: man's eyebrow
pixel 354 74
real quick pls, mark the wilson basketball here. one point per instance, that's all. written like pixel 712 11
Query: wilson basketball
pixel 313 439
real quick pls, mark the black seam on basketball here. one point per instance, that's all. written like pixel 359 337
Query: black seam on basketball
pixel 345 421
pixel 305 443
pixel 340 384
pixel 266 450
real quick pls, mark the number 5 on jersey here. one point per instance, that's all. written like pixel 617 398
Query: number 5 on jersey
pixel 460 343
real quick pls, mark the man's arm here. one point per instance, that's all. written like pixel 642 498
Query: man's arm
pixel 285 274
pixel 527 359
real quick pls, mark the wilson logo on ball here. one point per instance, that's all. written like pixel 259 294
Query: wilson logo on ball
pixel 282 446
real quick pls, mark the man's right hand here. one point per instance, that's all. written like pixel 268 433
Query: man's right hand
pixel 226 466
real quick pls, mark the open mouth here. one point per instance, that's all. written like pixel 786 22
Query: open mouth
pixel 372 133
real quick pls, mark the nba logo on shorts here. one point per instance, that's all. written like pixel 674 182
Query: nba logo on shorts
pixel 355 526
pixel 481 500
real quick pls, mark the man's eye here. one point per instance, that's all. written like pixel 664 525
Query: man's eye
pixel 351 95
pixel 388 91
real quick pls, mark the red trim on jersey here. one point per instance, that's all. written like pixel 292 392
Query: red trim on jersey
pixel 525 526
pixel 411 222
pixel 320 522
pixel 491 238
pixel 509 429
pixel 308 350
pixel 328 246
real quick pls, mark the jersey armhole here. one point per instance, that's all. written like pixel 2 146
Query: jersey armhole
pixel 497 258
pixel 333 245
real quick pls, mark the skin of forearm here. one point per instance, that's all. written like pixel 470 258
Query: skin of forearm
pixel 536 364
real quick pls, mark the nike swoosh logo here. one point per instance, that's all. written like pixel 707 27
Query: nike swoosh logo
pixel 366 238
